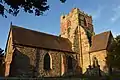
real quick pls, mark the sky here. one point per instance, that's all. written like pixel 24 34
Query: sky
pixel 105 14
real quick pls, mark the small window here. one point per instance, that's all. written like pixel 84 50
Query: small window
pixel 47 62
pixel 82 23
pixel 81 17
pixel 82 20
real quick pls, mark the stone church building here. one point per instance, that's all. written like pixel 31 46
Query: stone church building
pixel 31 53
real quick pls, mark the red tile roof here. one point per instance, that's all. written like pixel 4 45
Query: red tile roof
pixel 100 41
pixel 38 39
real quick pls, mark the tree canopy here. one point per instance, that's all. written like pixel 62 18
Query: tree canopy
pixel 1 51
pixel 114 56
pixel 13 7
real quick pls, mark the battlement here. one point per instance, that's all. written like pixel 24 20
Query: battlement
pixel 76 11
pixel 75 18
pixel 79 11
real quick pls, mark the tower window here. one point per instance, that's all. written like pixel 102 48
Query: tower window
pixel 82 20
pixel 47 62
pixel 81 17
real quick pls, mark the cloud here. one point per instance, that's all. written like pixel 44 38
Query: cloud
pixel 97 13
pixel 115 33
pixel 116 14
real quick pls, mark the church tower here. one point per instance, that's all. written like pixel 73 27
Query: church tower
pixel 77 27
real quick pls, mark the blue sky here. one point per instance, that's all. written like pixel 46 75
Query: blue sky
pixel 105 13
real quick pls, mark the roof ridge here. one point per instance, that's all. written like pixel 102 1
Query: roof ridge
pixel 102 33
pixel 39 39
pixel 100 41
pixel 38 31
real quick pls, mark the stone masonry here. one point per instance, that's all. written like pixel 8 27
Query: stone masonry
pixel 33 58
pixel 72 28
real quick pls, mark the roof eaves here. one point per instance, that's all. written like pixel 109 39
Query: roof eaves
pixel 43 48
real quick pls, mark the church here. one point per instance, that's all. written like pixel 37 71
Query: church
pixel 30 53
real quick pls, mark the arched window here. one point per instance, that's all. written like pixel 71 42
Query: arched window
pixel 69 61
pixel 47 62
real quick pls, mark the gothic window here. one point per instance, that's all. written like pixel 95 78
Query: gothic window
pixel 69 61
pixel 47 62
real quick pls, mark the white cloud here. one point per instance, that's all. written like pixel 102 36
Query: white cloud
pixel 96 13
pixel 115 33
pixel 116 15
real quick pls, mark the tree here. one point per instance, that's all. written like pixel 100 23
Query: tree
pixel 114 55
pixel 1 51
pixel 38 7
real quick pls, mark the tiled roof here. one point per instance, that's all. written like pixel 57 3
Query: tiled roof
pixel 38 39
pixel 100 41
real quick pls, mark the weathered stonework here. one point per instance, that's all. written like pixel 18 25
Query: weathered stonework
pixel 30 61
pixel 85 45
pixel 23 61
pixel 9 51
pixel 77 34
pixel 101 56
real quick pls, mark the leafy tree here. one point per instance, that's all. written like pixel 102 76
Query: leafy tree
pixel 1 51
pixel 38 7
pixel 114 56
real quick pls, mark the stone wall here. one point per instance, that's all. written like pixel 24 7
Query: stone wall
pixel 101 56
pixel 85 46
pixel 29 61
pixel 8 54
pixel 23 61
